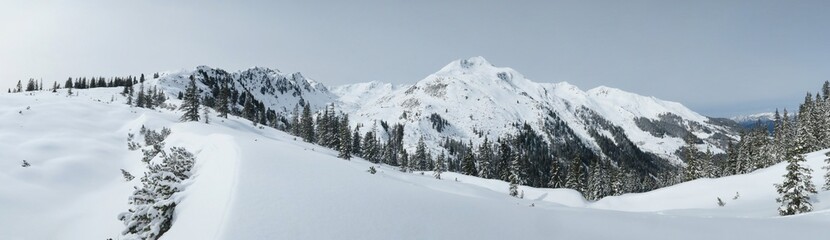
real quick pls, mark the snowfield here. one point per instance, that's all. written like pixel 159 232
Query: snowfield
pixel 260 183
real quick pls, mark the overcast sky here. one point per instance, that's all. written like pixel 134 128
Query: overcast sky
pixel 720 57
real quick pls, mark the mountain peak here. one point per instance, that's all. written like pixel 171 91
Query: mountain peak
pixel 466 64
pixel 474 61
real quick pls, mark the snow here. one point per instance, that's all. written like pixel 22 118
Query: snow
pixel 751 118
pixel 260 183
pixel 473 94
pixel 256 80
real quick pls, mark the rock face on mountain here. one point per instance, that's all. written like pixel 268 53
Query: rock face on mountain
pixel 470 99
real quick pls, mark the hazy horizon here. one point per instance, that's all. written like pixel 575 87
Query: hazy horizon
pixel 720 58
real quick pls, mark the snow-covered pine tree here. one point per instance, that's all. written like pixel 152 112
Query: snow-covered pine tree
pixel 421 154
pixel 616 184
pixel 206 114
pixel 797 186
pixel 575 176
pixel 555 180
pixel 708 164
pixel 128 92
pixel 439 167
pixel 151 214
pixel 596 182
pixel 776 148
pixel 468 165
pixel 404 161
pixel 826 186
pixel 807 123
pixel 693 169
pixel 515 175
pixel 819 123
pixel 413 163
pixel 190 103
pixel 485 155
pixel 127 176
pixel 825 114
pixel 388 155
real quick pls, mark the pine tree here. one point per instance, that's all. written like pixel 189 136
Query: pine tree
pixel 485 155
pixel 307 124
pixel 206 114
pixel 596 183
pixel 421 154
pixel 370 147
pixel 413 164
pixel 708 165
pixel 617 184
pixel 404 161
pixel 575 176
pixel 153 205
pixel 693 169
pixel 827 175
pixel 140 99
pixel 806 120
pixel 468 165
pixel 31 86
pixel 129 95
pixel 248 110
pixel 439 166
pixel 515 174
pixel 555 180
pixel 357 148
pixel 190 103
pixel 222 102
pixel 345 139
pixel 504 158
pixel 797 186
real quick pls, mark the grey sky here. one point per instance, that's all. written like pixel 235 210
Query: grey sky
pixel 718 57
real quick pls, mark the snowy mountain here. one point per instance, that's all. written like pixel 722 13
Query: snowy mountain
pixel 478 100
pixel 280 92
pixel 469 100
pixel 260 183
pixel 749 121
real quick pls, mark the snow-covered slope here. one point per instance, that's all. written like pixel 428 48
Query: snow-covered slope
pixel 260 183
pixel 474 97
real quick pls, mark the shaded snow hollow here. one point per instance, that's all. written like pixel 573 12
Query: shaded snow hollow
pixel 252 183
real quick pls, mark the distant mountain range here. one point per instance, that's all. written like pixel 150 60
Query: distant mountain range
pixel 474 100
pixel 750 121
